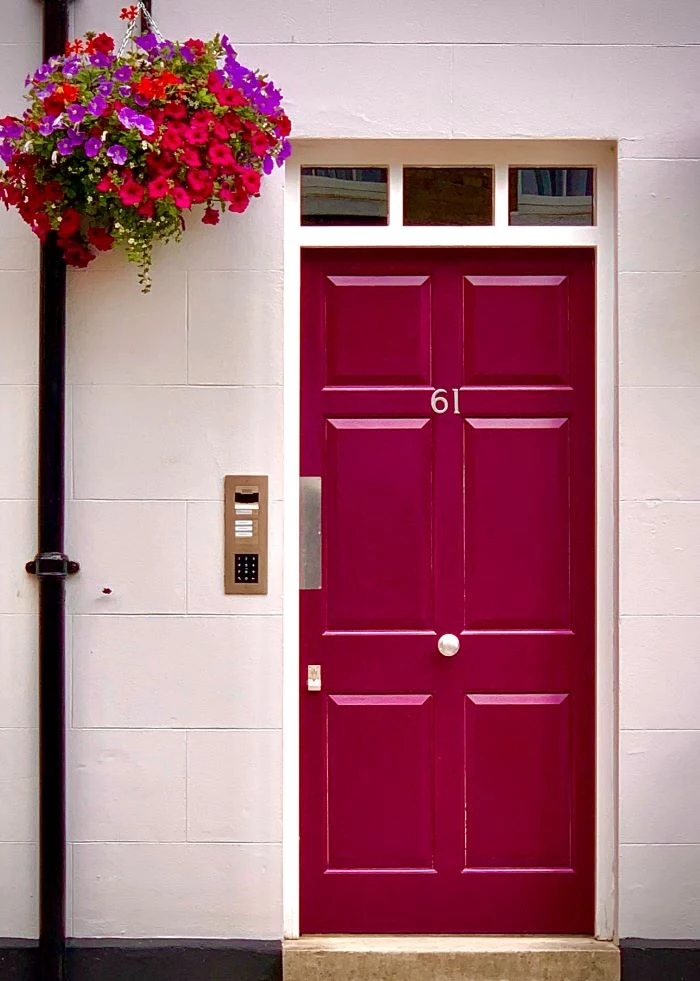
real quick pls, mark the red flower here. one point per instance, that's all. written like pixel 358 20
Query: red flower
pixel 54 104
pixel 251 181
pixel 201 185
pixel 130 193
pixel 191 157
pixel 105 184
pixel 172 137
pixel 282 124
pixel 53 191
pixel 76 47
pixel 175 110
pixel 239 203
pixel 147 208
pixel 76 254
pixel 210 217
pixel 159 187
pixel 129 13
pixel 70 223
pixel 231 97
pixel 260 143
pixel 163 164
pixel 198 134
pixel 233 121
pixel 70 91
pixel 100 238
pixel 215 82
pixel 220 155
pixel 181 197
pixel 41 225
pixel 101 42
pixel 194 44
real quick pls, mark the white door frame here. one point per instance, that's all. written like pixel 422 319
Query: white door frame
pixel 394 154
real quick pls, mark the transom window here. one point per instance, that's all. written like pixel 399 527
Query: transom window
pixel 439 195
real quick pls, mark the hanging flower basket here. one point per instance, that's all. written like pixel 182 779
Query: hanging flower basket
pixel 114 149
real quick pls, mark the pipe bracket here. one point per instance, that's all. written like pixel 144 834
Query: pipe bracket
pixel 52 565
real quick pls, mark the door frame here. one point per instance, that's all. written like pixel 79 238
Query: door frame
pixel 395 154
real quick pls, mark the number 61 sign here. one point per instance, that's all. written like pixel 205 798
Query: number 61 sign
pixel 439 401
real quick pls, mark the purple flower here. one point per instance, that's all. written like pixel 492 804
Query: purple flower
pixel 145 125
pixel 65 147
pixel 41 74
pixel 228 48
pixel 27 81
pixel 127 117
pixel 124 91
pixel 268 164
pixel 187 54
pixel 118 154
pixel 93 146
pixel 6 152
pixel 101 60
pixel 123 73
pixel 49 124
pixel 105 87
pixel 141 100
pixel 71 67
pixel 12 131
pixel 284 152
pixel 147 42
pixel 97 105
pixel 49 89
pixel 76 114
pixel 76 137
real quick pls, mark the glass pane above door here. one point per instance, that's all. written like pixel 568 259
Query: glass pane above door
pixel 551 195
pixel 448 196
pixel 344 196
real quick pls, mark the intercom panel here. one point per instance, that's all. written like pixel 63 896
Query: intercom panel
pixel 245 534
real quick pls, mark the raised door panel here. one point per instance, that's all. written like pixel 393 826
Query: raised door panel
pixel 378 330
pixel 518 784
pixel 381 782
pixel 378 524
pixel 517 524
pixel 516 330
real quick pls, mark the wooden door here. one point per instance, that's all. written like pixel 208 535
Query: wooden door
pixel 448 406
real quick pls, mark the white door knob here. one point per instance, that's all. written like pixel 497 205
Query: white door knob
pixel 448 645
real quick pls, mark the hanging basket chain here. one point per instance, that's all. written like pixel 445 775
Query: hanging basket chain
pixel 131 29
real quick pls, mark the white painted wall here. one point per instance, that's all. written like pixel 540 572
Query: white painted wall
pixel 175 714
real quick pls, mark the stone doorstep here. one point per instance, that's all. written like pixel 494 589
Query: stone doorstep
pixel 449 958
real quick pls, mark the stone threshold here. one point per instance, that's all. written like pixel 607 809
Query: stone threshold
pixel 449 958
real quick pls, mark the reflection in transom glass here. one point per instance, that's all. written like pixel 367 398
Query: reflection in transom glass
pixel 551 195
pixel 344 196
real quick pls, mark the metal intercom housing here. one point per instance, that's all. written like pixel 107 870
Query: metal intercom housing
pixel 245 534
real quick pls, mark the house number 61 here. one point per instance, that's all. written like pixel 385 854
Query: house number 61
pixel 439 402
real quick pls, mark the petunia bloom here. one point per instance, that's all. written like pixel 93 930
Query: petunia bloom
pixel 93 146
pixel 118 154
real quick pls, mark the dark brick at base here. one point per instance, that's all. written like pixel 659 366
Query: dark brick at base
pixel 150 960
pixel 660 960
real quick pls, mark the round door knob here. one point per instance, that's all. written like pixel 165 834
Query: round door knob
pixel 448 645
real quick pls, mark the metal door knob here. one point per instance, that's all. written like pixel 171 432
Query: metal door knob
pixel 448 645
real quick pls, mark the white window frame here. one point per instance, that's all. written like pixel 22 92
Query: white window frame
pixel 395 154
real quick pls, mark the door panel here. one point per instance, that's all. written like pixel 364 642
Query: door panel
pixel 393 736
pixel 517 523
pixel 518 781
pixel 378 530
pixel 516 330
pixel 449 794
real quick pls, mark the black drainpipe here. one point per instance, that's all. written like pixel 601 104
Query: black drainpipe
pixel 51 566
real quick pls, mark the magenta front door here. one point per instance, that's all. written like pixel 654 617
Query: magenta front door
pixel 449 793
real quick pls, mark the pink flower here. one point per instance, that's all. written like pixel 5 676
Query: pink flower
pixel 159 187
pixel 181 197
pixel 130 193
pixel 220 154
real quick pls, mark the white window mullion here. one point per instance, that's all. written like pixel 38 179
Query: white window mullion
pixel 500 201
pixel 396 196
